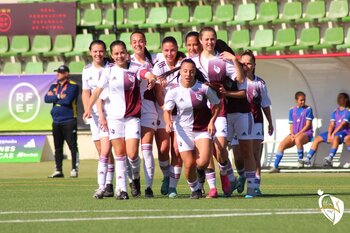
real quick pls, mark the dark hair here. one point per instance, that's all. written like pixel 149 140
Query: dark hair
pixel 222 46
pixel 207 29
pixel 98 42
pixel 249 53
pixel 169 39
pixel 117 42
pixel 199 75
pixel 147 53
pixel 299 94
pixel 346 96
pixel 190 34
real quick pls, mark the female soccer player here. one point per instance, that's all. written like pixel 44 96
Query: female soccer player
pixel 142 58
pixel 337 117
pixel 171 174
pixel 192 44
pixel 215 68
pixel 121 85
pixel 90 76
pixel 259 102
pixel 301 132
pixel 195 123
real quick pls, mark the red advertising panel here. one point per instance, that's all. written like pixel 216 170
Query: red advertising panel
pixel 38 18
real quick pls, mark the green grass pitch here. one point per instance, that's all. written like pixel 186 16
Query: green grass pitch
pixel 30 202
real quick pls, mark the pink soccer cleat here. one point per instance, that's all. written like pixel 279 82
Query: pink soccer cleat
pixel 213 193
pixel 226 185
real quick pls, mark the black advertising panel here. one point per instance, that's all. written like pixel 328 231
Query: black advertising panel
pixel 38 18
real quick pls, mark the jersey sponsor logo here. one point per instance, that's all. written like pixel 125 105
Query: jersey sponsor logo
pixel 199 96
pixel 217 69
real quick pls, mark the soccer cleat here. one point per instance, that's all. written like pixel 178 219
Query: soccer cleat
pixel 149 193
pixel 346 165
pixel 274 170
pixel 250 193
pixel 164 190
pixel 306 161
pixel 56 174
pixel 226 185
pixel 74 173
pixel 258 192
pixel 122 196
pixel 327 162
pixel 99 194
pixel 300 163
pixel 213 193
pixel 172 193
pixel 196 194
pixel 203 191
pixel 135 188
pixel 109 191
pixel 241 181
pixel 234 185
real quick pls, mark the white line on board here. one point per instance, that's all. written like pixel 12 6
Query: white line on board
pixel 157 217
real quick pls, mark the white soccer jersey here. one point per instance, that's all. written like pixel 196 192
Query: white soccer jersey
pixel 193 113
pixel 257 88
pixel 161 67
pixel 215 69
pixel 122 86
pixel 90 77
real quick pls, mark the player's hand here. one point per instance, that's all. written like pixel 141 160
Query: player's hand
pixel 62 96
pixel 87 114
pixel 162 81
pixel 151 83
pixel 226 56
pixel 169 128
pixel 211 128
pixel 292 136
pixel 270 129
pixel 222 90
pixel 50 93
pixel 103 123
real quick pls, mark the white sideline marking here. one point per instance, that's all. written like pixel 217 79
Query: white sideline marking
pixel 141 210
pixel 159 217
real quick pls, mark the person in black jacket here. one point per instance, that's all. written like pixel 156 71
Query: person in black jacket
pixel 63 95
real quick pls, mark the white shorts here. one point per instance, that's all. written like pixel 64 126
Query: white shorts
pixel 186 139
pixel 221 127
pixel 239 127
pixel 124 128
pixel 94 128
pixel 149 114
pixel 258 131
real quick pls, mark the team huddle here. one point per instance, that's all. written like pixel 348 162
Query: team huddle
pixel 193 106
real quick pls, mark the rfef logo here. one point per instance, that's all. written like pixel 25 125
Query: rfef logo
pixel 331 207
pixel 5 22
pixel 24 102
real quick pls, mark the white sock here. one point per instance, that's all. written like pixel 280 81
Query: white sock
pixel 175 173
pixel 250 179
pixel 120 174
pixel 257 181
pixel 110 174
pixel 165 167
pixel 230 173
pixel 102 172
pixel 135 167
pixel 193 185
pixel 148 163
pixel 129 171
pixel 211 178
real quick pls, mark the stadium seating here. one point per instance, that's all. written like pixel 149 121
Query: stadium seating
pixel 284 39
pixel 268 11
pixel 156 17
pixel 91 17
pixel 41 44
pixel 179 15
pixel 34 68
pixel 331 38
pixel 62 44
pixel 308 37
pixel 153 41
pixel 292 11
pixel 12 68
pixel 202 15
pixel 108 39
pixel 245 13
pixel 81 45
pixel 240 39
pixel 347 42
pixel 337 10
pixel 51 66
pixel 135 16
pixel 262 40
pixel 108 20
pixel 19 44
pixel 223 13
pixel 125 36
pixel 4 44
pixel 222 35
pixel 76 66
pixel 177 35
pixel 314 11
